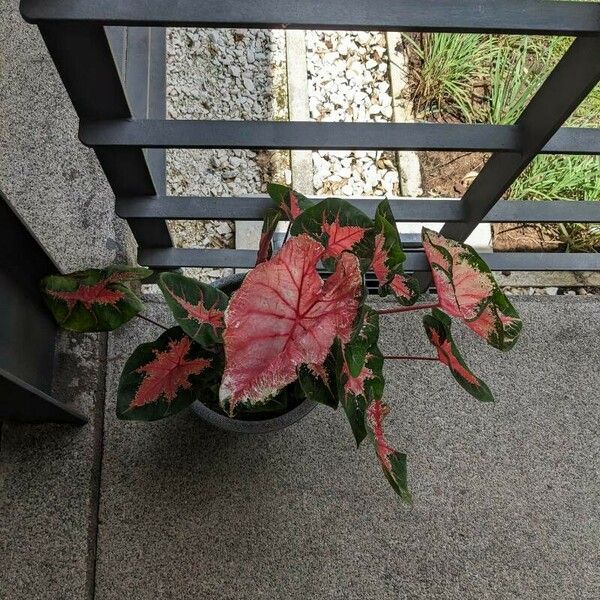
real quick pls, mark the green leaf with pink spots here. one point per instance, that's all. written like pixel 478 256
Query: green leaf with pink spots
pixel 339 227
pixel 163 377
pixel 437 326
pixel 198 308
pixel 95 299
pixel 389 257
pixel 287 206
pixel 392 462
pixel 467 289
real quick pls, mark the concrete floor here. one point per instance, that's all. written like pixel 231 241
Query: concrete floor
pixel 506 495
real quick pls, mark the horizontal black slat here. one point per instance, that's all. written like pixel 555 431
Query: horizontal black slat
pixel 326 136
pixel 169 258
pixel 252 208
pixel 493 16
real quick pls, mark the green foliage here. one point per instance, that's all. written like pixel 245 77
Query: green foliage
pixel 450 64
pixel 95 299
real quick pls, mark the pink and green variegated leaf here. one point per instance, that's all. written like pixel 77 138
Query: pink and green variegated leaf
pixel 392 462
pixel 340 227
pixel 287 206
pixel 364 337
pixel 389 257
pixel 467 289
pixel 95 299
pixel 284 316
pixel 291 203
pixel 199 309
pixel 437 326
pixel 163 377
pixel 356 392
pixel 270 222
pixel 319 382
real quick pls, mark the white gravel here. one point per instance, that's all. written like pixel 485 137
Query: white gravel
pixel 221 74
pixel 349 81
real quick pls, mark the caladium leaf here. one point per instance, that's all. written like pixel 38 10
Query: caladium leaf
pixel 319 382
pixel 437 326
pixel 284 316
pixel 163 377
pixel 364 337
pixel 199 309
pixel 287 205
pixel 389 257
pixel 340 227
pixel 357 392
pixel 291 203
pixel 392 462
pixel 467 289
pixel 95 299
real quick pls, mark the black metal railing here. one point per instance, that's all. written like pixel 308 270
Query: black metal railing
pixel 111 57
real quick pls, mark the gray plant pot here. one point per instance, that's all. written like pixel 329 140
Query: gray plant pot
pixel 229 285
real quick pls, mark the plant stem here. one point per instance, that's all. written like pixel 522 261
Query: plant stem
pixel 152 321
pixel 432 358
pixel 287 233
pixel 401 309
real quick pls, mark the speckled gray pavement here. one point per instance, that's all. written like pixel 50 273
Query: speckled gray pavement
pixel 506 495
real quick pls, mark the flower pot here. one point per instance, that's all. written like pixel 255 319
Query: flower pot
pixel 256 425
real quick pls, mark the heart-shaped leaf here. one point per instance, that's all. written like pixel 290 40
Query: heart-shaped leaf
pixel 389 257
pixel 198 308
pixel 163 377
pixel 287 205
pixel 392 462
pixel 467 289
pixel 95 299
pixel 340 227
pixel 284 316
pixel 357 392
pixel 437 326
pixel 291 203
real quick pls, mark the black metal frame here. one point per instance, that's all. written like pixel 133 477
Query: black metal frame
pixel 127 126
pixel 27 330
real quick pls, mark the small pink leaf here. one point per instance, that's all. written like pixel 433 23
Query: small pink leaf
pixel 163 377
pixel 270 221
pixel 467 289
pixel 339 227
pixel 340 237
pixel 284 316
pixel 437 326
pixel 198 308
pixel 392 462
pixel 93 300
pixel 389 257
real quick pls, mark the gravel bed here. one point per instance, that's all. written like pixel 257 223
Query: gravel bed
pixel 348 77
pixel 221 74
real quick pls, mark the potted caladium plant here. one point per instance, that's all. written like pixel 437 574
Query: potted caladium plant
pixel 256 352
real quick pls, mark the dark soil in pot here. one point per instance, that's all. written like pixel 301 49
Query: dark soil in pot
pixel 289 406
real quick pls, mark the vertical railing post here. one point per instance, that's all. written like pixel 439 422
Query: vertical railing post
pixel 85 62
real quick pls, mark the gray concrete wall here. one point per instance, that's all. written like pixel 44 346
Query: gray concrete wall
pixel 53 181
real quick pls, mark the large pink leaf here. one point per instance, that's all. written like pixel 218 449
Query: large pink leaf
pixel 392 462
pixel 284 316
pixel 467 289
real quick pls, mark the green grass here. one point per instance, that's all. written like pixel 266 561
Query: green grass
pixel 450 65
pixel 512 68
